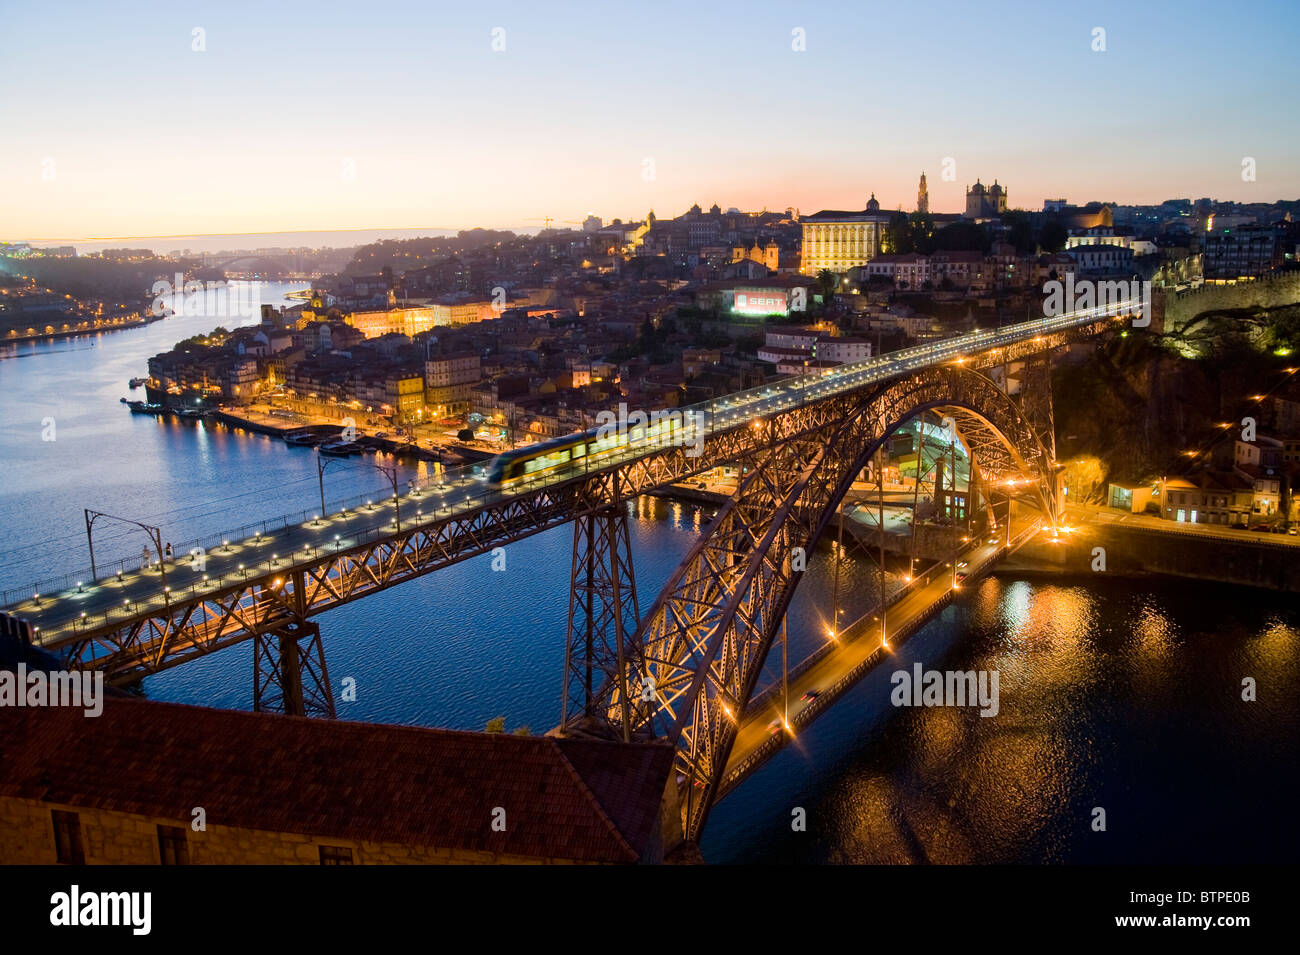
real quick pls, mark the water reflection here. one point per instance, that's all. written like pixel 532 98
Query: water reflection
pixel 1117 694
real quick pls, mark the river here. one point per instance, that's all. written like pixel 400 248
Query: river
pixel 1122 695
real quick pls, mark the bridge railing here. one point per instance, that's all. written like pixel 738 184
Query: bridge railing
pixel 109 567
pixel 267 562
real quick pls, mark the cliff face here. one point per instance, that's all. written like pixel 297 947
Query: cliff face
pixel 1138 407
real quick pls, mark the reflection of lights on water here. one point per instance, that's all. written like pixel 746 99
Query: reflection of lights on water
pixel 1277 646
pixel 1154 630
pixel 1016 604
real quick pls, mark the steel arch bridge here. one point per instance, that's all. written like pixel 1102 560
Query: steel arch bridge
pixel 683 673
pixel 686 671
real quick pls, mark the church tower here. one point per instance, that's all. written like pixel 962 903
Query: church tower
pixel 923 198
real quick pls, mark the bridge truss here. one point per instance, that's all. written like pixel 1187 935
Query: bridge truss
pixel 686 670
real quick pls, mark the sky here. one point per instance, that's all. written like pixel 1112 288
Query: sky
pixel 319 116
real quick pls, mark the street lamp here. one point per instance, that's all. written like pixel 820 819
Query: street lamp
pixel 154 533
pixel 389 472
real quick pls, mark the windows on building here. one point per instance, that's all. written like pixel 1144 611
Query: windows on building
pixel 335 855
pixel 172 847
pixel 67 838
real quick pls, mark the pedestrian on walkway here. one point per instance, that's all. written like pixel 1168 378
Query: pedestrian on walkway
pixel 169 550
pixel 145 562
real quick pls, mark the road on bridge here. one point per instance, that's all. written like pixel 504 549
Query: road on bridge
pixel 856 645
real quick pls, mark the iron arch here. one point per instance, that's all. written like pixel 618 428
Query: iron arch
pixel 703 642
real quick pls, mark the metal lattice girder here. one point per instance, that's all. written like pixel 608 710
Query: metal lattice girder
pixel 198 621
pixel 289 674
pixel 601 663
pixel 709 631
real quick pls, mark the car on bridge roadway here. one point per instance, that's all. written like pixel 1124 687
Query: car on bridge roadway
pixel 774 727
pixel 810 696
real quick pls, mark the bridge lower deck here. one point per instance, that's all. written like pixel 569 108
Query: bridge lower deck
pixel 857 651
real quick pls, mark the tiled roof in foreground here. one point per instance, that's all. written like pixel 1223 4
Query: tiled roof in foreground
pixel 576 799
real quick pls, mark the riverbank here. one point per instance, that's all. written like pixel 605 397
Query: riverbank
pixel 1271 562
pixel 87 328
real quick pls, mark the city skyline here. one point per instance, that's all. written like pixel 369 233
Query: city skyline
pixel 294 126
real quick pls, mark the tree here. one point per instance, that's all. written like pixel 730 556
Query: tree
pixel 922 232
pixel 1020 232
pixel 1052 235
pixel 496 725
pixel 898 235
pixel 826 281
pixel 963 236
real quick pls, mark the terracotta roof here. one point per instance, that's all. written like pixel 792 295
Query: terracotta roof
pixel 564 798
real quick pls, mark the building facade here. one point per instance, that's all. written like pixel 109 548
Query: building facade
pixel 985 202
pixel 839 241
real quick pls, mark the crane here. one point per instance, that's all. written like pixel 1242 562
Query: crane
pixel 549 219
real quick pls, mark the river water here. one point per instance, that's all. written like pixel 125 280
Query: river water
pixel 1119 695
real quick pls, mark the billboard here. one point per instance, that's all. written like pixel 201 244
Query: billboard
pixel 759 301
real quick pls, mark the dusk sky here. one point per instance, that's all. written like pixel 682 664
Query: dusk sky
pixel 112 126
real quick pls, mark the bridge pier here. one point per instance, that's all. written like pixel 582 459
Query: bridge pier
pixel 1036 404
pixel 289 674
pixel 603 615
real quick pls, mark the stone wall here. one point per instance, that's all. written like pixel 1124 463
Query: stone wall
pixel 1173 310
pixel 116 838
pixel 1134 550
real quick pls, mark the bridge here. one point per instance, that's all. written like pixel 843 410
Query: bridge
pixel 270 265
pixel 686 670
